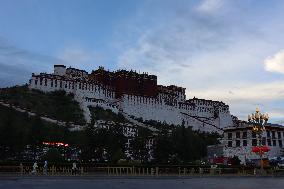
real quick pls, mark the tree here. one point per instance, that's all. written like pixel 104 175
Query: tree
pixel 138 145
pixel 163 150
pixel 36 131
pixel 53 155
pixel 115 142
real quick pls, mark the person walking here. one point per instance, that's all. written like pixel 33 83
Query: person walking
pixel 35 166
pixel 45 168
pixel 74 168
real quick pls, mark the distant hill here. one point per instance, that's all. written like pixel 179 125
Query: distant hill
pixel 57 105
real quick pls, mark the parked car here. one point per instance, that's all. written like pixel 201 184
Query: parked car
pixel 276 161
pixel 281 164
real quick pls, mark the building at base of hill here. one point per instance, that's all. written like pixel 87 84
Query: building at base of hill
pixel 240 139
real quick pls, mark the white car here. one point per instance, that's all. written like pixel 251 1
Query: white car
pixel 281 164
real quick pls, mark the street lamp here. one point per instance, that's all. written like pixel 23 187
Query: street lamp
pixel 258 122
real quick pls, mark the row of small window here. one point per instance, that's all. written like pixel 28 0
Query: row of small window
pixel 273 134
pixel 204 103
pixel 143 99
pixel 269 134
pixel 238 143
pixel 54 83
pixel 254 142
pixel 238 135
pixel 68 85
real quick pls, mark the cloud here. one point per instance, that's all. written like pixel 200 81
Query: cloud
pixel 210 6
pixel 17 65
pixel 275 63
pixel 215 57
pixel 75 56
pixel 80 57
pixel 249 91
pixel 244 99
pixel 176 47
pixel 193 51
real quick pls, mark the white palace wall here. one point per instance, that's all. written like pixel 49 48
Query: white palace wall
pixel 196 113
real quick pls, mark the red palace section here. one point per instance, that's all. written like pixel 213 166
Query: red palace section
pixel 126 82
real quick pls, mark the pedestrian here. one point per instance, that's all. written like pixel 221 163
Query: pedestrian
pixel 45 168
pixel 74 168
pixel 35 166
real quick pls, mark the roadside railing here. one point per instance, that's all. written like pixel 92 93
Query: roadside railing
pixel 81 170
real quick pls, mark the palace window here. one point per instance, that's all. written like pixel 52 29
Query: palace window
pixel 253 135
pixel 279 134
pixel 36 82
pixel 40 81
pixel 245 134
pixel 280 143
pixel 51 84
pixel 274 142
pixel 263 142
pixel 268 134
pixel 273 134
pixel 230 143
pixel 245 143
pixel 269 142
pixel 230 135
pixel 254 142
pixel 60 84
pixel 45 82
pixel 238 135
pixel 238 142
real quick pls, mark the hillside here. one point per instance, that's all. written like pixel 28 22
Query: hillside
pixel 19 129
pixel 57 105
pixel 98 113
pixel 173 144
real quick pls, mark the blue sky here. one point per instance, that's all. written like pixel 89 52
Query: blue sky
pixel 225 50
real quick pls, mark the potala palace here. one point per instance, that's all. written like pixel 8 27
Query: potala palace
pixel 134 95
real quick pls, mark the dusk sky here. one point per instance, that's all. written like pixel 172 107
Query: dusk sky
pixel 227 50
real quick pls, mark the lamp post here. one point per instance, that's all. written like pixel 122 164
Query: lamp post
pixel 258 121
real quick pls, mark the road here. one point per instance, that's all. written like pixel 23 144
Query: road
pixel 141 183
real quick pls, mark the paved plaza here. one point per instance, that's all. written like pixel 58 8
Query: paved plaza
pixel 141 183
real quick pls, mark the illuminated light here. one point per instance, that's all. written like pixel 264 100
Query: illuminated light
pixel 55 144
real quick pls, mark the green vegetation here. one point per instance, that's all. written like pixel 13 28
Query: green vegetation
pixel 138 147
pixel 172 145
pixel 57 105
pixel 182 145
pixel 53 155
pixel 18 130
pixel 98 113
pixel 103 145
pixel 158 125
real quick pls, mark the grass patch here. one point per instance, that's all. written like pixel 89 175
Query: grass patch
pixel 57 105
